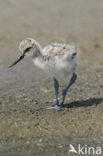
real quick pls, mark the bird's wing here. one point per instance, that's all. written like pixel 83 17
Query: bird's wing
pixel 54 49
pixel 58 49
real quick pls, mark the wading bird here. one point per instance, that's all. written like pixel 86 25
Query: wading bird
pixel 57 60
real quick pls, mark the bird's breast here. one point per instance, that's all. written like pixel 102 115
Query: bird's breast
pixel 57 67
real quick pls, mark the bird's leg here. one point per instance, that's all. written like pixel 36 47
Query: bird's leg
pixel 64 92
pixel 56 86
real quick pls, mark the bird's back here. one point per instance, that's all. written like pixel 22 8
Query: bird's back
pixel 59 50
pixel 58 59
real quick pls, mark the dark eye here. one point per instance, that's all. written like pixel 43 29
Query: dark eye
pixel 26 50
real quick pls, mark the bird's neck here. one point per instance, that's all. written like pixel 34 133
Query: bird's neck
pixel 37 52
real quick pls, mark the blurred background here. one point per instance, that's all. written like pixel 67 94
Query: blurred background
pixel 74 22
pixel 25 91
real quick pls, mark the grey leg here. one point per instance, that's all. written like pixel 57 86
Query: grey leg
pixel 64 92
pixel 56 86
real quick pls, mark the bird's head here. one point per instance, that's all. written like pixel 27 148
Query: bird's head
pixel 28 47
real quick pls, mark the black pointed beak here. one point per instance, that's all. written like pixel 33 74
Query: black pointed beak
pixel 18 60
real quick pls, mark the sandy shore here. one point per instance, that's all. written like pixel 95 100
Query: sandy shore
pixel 25 124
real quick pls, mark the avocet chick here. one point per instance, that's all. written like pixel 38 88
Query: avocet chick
pixel 57 60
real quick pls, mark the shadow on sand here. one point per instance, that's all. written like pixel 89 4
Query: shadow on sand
pixel 84 103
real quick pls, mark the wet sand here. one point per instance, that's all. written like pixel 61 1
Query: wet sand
pixel 26 126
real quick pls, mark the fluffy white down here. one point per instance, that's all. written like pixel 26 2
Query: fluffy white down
pixel 58 67
pixel 58 60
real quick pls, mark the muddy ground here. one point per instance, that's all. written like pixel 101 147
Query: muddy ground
pixel 26 126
